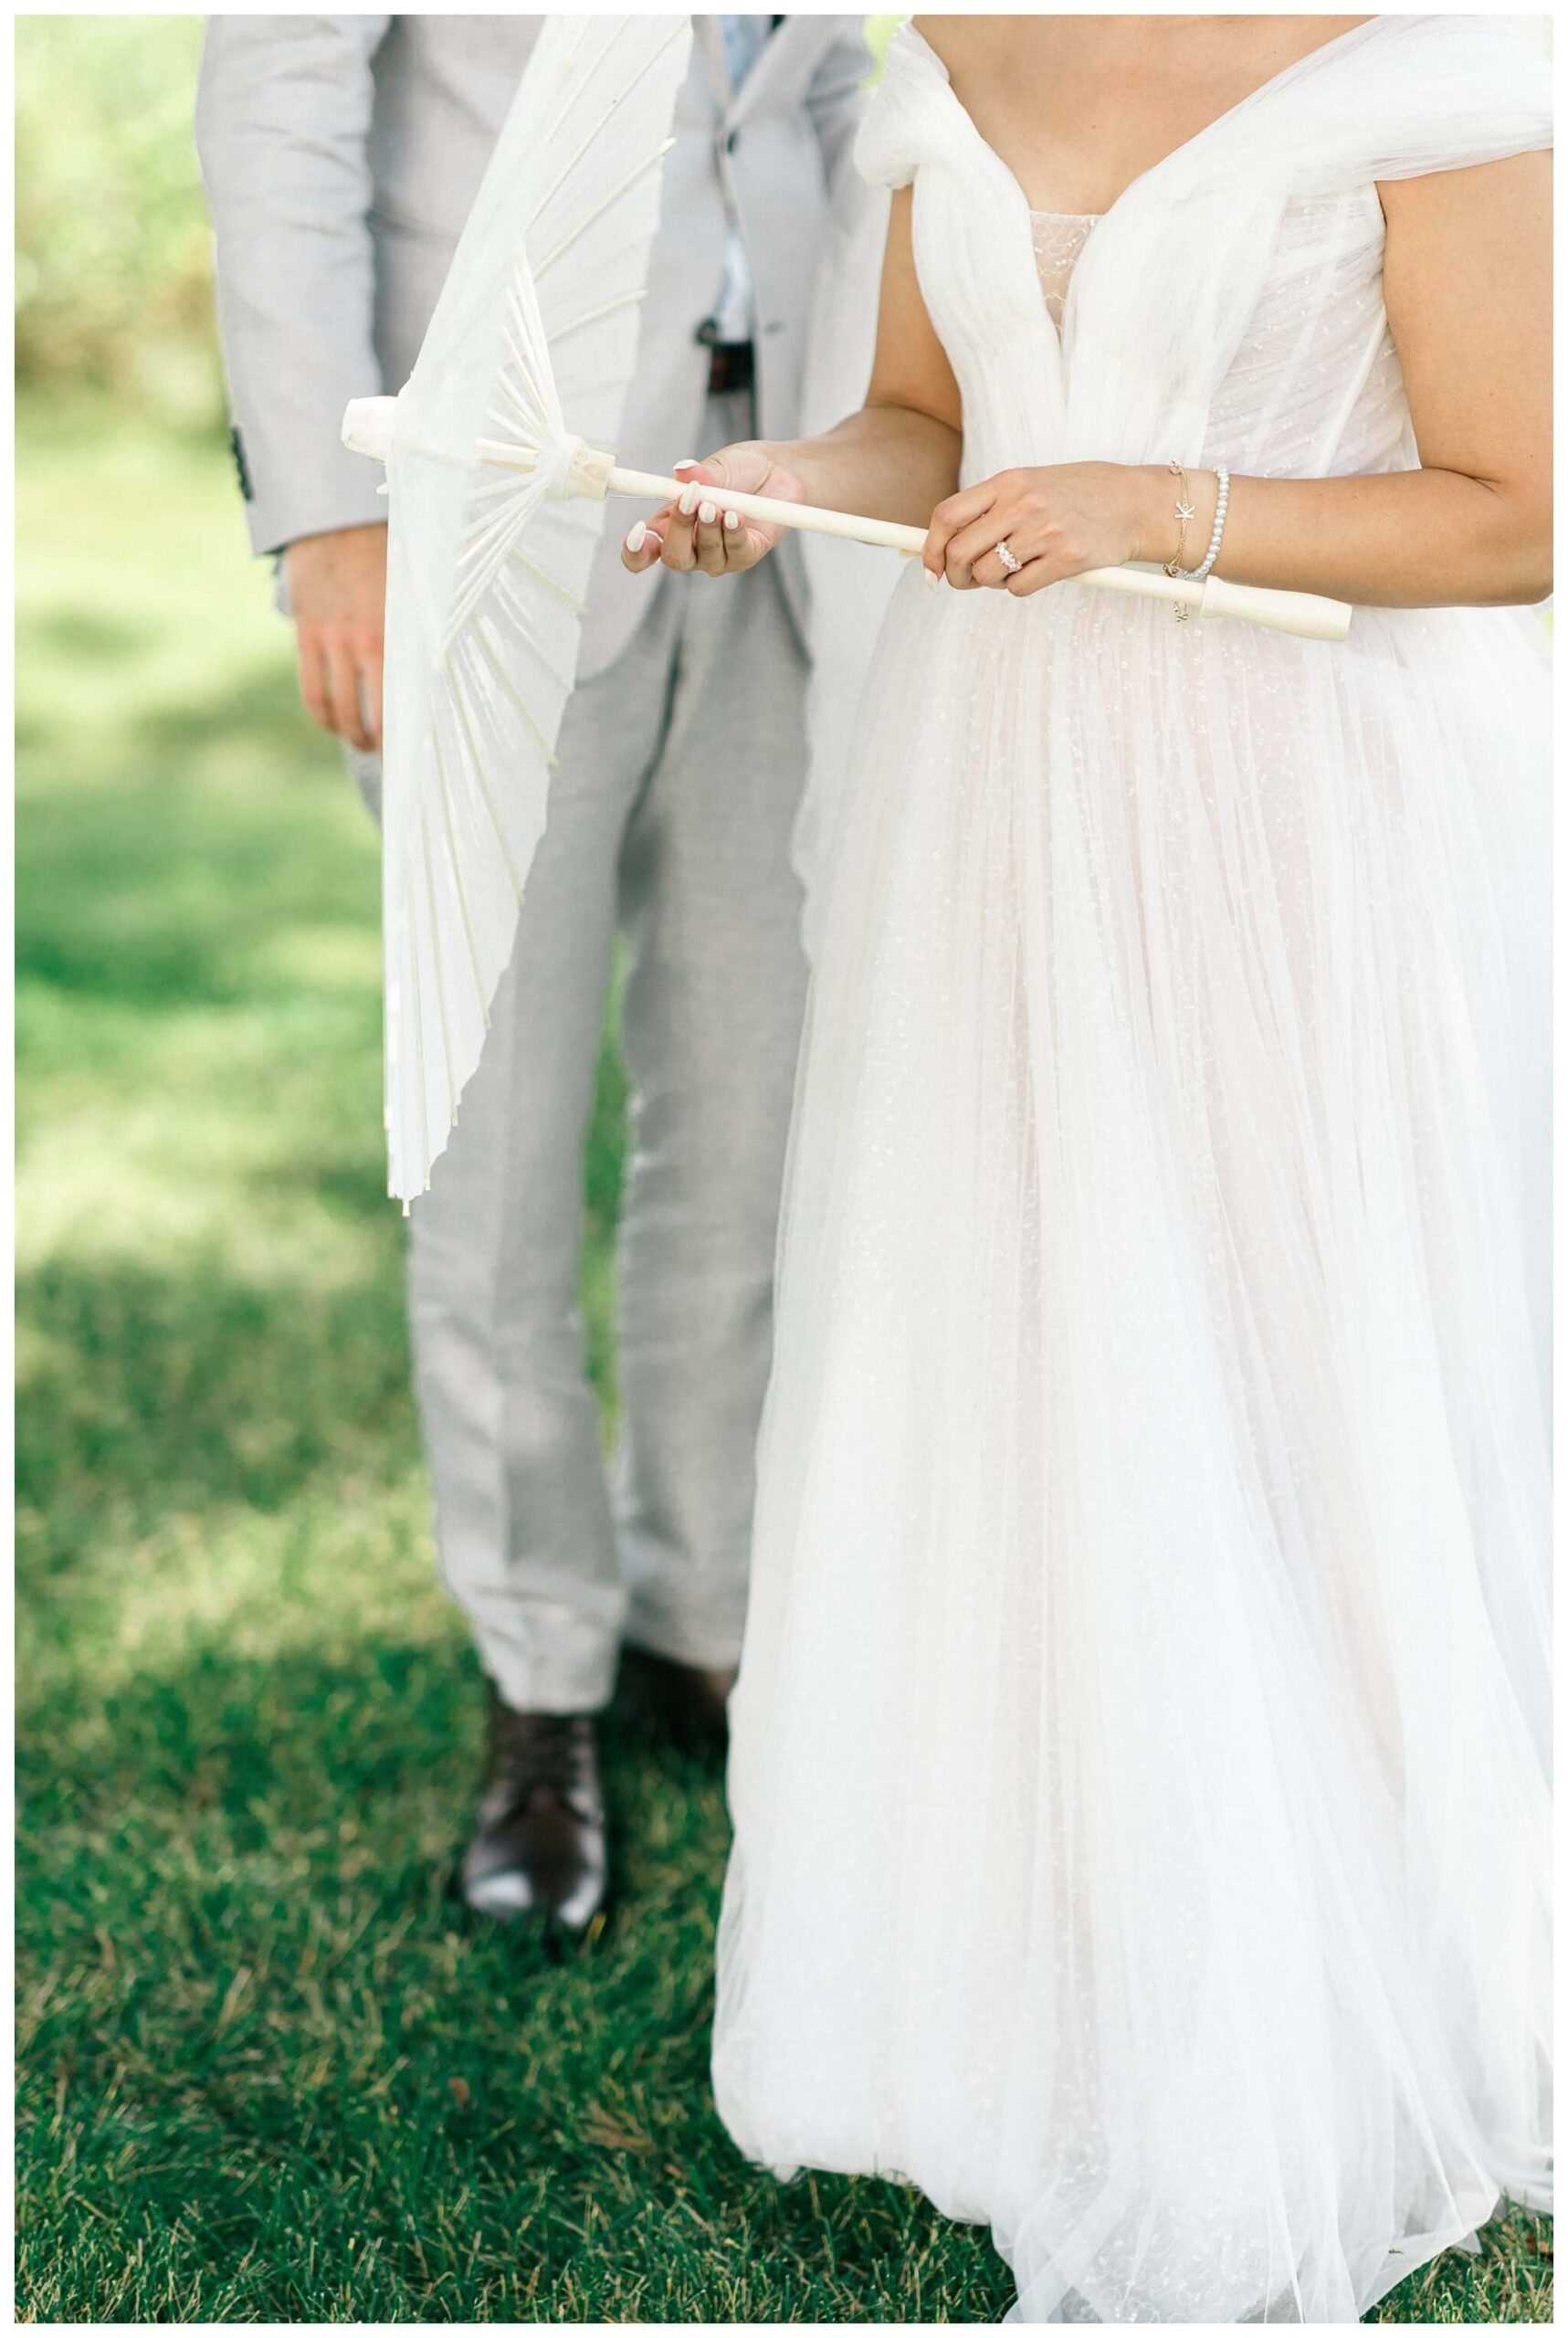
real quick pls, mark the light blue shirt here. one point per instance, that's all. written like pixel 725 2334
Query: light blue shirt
pixel 743 40
pixel 734 311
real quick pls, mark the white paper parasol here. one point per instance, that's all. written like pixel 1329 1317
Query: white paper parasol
pixel 487 568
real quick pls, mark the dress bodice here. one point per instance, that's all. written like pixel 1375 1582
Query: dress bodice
pixel 1306 335
pixel 1314 386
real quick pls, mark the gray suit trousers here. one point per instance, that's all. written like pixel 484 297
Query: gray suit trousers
pixel 672 806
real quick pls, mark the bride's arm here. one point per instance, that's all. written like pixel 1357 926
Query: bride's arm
pixel 896 459
pixel 1468 288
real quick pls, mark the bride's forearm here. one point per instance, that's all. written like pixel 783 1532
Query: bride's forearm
pixel 1421 539
pixel 887 462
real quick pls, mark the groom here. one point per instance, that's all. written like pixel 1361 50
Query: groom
pixel 341 155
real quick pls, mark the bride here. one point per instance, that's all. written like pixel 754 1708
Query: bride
pixel 1138 1770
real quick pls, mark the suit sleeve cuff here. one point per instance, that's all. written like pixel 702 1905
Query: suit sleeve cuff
pixel 338 493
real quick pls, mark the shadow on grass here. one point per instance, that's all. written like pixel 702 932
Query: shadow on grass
pixel 186 1393
pixel 142 902
pixel 91 635
pixel 259 712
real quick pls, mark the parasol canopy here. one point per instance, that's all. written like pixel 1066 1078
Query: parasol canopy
pixel 487 567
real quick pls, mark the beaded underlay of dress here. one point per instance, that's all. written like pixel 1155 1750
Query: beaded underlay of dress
pixel 1060 237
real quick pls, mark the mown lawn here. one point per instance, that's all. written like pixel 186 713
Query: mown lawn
pixel 265 2076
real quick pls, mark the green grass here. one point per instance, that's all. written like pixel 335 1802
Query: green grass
pixel 264 2075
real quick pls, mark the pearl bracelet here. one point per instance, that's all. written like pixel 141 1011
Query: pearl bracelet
pixel 1196 575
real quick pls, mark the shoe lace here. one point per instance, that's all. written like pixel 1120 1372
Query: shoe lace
pixel 546 1752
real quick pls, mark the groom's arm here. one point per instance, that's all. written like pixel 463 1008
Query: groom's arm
pixel 283 115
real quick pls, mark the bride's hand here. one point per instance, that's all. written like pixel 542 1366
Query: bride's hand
pixel 1054 522
pixel 697 532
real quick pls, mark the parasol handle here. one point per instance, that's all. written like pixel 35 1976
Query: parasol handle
pixel 1307 615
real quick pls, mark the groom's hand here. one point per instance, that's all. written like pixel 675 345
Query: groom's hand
pixel 697 532
pixel 337 596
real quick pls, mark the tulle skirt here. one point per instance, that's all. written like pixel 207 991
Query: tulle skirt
pixel 1139 1753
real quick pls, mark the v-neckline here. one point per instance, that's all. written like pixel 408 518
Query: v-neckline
pixel 1184 146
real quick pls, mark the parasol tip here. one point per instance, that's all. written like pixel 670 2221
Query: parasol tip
pixel 369 424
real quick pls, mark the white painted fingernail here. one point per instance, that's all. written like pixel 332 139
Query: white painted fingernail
pixel 690 499
pixel 731 519
pixel 932 578
pixel 708 513
pixel 686 463
pixel 637 537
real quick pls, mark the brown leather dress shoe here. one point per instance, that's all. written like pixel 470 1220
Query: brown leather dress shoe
pixel 688 1703
pixel 538 1850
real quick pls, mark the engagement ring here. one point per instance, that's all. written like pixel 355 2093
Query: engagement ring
pixel 1008 560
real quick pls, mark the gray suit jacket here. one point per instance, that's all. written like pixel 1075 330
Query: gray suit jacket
pixel 340 155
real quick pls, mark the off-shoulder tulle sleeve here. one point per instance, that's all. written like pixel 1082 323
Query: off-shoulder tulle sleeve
pixel 910 118
pixel 1395 98
pixel 1458 92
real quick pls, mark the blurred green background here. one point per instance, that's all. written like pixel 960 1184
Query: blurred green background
pixel 113 286
pixel 263 2074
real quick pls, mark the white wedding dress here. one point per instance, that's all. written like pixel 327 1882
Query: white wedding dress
pixel 1139 1750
